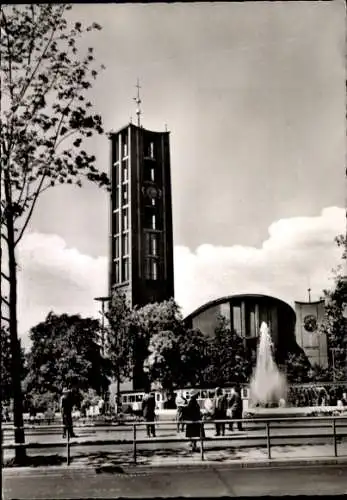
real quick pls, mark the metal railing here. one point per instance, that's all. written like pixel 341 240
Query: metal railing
pixel 264 424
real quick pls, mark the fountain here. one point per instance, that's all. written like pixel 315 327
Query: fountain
pixel 268 384
pixel 268 388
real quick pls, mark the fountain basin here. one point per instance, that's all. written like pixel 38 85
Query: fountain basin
pixel 305 411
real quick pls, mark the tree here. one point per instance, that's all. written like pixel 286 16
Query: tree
pixel 45 119
pixel 65 352
pixel 177 360
pixel 297 367
pixel 334 324
pixel 120 338
pixel 6 379
pixel 229 362
pixel 194 353
pixel 164 361
pixel 148 321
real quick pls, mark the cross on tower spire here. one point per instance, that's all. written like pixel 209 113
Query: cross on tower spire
pixel 138 101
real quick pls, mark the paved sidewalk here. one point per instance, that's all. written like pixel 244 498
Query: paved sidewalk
pixel 172 457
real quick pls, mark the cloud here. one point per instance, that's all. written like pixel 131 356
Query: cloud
pixel 55 277
pixel 298 252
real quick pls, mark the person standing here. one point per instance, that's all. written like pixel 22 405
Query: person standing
pixel 181 404
pixel 66 404
pixel 236 408
pixel 193 415
pixel 220 411
pixel 148 413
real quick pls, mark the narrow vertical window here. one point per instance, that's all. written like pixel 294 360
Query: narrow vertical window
pixel 237 319
pixel 154 221
pixel 154 245
pixel 154 269
pixel 125 221
pixel 125 244
pixel 152 174
pixel 151 150
pixel 116 222
pixel 125 171
pixel 116 197
pixel 125 269
pixel 116 271
pixel 116 173
pixel 125 195
pixel 116 247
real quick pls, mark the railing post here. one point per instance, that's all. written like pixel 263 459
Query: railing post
pixel 202 441
pixel 268 443
pixel 134 444
pixel 68 448
pixel 334 437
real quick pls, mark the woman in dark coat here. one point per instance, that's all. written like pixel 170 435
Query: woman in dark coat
pixel 192 413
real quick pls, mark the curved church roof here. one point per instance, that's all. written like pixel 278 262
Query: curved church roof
pixel 227 298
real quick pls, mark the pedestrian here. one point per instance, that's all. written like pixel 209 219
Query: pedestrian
pixel 194 428
pixel 181 404
pixel 236 408
pixel 220 405
pixel 148 413
pixel 66 404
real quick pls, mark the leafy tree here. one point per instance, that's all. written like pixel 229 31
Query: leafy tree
pixel 163 362
pixel 177 360
pixel 6 379
pixel 148 321
pixel 120 338
pixel 65 352
pixel 194 352
pixel 297 367
pixel 334 325
pixel 45 119
pixel 229 362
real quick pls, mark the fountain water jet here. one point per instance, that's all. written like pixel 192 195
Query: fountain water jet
pixel 268 384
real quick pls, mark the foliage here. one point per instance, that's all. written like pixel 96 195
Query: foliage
pixel 45 119
pixel 229 362
pixel 41 402
pixel 6 378
pixel 194 352
pixel 157 317
pixel 297 367
pixel 120 336
pixel 65 352
pixel 45 113
pixel 148 321
pixel 176 360
pixel 334 324
pixel 163 362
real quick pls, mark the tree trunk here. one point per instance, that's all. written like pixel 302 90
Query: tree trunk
pixel 16 362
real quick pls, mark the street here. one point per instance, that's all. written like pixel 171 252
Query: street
pixel 157 482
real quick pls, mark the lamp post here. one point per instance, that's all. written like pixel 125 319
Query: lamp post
pixel 103 301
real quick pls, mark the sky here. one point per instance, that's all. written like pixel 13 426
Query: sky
pixel 254 97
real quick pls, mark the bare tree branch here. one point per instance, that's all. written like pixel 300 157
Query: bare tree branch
pixel 3 275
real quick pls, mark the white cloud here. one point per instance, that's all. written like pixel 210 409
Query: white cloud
pixel 299 252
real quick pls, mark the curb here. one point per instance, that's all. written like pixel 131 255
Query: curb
pixel 141 469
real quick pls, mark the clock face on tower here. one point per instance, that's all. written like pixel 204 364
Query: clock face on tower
pixel 151 192
pixel 310 323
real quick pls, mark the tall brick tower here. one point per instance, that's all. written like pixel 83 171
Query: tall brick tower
pixel 141 242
